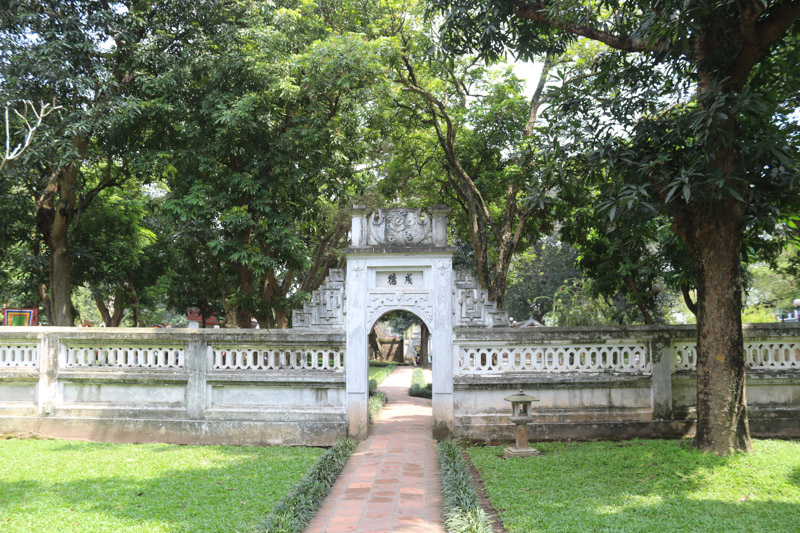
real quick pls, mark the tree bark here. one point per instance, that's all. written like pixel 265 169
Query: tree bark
pixel 55 209
pixel 103 308
pixel 244 317
pixel 714 239
pixel 119 307
pixel 374 345
pixel 424 335
pixel 45 298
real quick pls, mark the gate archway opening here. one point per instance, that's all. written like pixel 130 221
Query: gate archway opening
pixel 398 259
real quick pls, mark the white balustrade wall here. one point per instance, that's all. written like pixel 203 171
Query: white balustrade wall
pixel 763 355
pixel 185 386
pixel 609 382
pixel 253 358
pixel 555 358
pixel 18 355
pixel 121 356
pixel 289 386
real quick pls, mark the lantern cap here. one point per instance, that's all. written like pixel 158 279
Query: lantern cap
pixel 520 397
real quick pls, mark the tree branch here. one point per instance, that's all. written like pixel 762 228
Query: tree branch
pixel 759 32
pixel 538 12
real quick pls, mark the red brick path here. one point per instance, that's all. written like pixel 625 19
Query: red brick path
pixel 391 482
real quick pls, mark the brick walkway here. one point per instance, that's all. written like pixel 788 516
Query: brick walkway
pixel 391 482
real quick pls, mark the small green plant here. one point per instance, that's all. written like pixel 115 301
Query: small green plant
pixel 293 513
pixel 419 389
pixel 376 403
pixel 462 512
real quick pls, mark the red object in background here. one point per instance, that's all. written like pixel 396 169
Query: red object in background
pixel 193 314
pixel 20 317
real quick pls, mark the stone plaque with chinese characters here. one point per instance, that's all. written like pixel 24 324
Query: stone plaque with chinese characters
pixel 399 279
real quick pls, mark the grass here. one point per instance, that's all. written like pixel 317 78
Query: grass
pixel 293 512
pixel 462 512
pixel 70 486
pixel 644 486
pixel 378 371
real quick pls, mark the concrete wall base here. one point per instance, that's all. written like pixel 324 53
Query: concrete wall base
pixel 236 433
pixel 502 431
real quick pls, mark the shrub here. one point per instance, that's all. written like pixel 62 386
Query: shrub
pixel 293 513
pixel 419 388
pixel 462 513
pixel 376 403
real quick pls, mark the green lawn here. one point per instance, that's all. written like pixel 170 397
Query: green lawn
pixel 54 485
pixel 380 371
pixel 644 486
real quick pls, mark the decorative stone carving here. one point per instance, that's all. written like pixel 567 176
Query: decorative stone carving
pixel 417 302
pixel 472 306
pixel 326 308
pixel 399 226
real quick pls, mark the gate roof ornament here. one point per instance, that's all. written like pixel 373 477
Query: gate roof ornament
pixel 399 227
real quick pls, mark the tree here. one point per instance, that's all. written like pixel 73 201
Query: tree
pixel 687 112
pixel 480 121
pixel 536 276
pixel 86 55
pixel 117 252
pixel 265 158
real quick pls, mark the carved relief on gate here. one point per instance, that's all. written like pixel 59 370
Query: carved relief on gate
pixel 472 306
pixel 418 302
pixel 399 226
pixel 326 308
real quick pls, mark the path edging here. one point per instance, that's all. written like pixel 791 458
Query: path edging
pixel 295 511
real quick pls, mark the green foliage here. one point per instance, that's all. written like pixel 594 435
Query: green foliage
pixel 401 320
pixel 376 402
pixel 773 285
pixel 648 485
pixel 86 486
pixel 463 513
pixel 419 388
pixel 535 277
pixel 758 314
pixel 267 150
pixel 294 511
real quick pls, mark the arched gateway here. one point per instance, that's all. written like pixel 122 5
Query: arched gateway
pixel 399 259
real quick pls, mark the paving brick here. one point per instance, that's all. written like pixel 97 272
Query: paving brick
pixel 391 482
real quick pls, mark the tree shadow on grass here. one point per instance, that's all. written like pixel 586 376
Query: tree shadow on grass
pixel 637 486
pixel 232 491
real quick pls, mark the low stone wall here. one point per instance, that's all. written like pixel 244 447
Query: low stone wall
pixel 176 386
pixel 604 383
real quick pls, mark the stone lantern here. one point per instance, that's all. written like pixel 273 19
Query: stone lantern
pixel 521 416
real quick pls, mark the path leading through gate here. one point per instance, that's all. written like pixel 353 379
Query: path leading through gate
pixel 391 482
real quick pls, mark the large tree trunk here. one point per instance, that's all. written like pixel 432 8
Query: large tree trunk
pixel 55 210
pixel 244 317
pixel 60 281
pixel 714 238
pixel 119 307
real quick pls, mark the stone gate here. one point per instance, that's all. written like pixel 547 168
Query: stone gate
pixel 398 259
pixel 309 385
